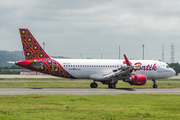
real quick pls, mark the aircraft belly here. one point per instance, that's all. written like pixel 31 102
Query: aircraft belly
pixel 74 73
pixel 81 74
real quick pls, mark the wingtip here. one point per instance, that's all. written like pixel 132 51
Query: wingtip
pixel 125 56
pixel 127 61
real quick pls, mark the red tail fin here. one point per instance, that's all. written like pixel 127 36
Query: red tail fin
pixel 32 49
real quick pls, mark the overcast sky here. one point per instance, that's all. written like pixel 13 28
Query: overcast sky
pixel 94 27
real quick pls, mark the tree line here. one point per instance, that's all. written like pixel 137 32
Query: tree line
pixel 175 66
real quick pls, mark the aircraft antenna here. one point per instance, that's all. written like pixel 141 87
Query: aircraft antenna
pixel 172 53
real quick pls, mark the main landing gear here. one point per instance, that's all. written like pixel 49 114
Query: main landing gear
pixel 93 85
pixel 111 85
pixel 154 83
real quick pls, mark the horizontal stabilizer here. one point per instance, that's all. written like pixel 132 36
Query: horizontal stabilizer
pixel 36 64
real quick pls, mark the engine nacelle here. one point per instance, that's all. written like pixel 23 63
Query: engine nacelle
pixel 136 80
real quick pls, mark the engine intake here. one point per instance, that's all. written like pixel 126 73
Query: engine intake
pixel 136 79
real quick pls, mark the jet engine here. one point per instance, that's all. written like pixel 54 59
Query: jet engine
pixel 136 79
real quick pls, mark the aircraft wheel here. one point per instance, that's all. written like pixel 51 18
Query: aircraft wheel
pixel 155 86
pixel 109 85
pixel 112 85
pixel 93 85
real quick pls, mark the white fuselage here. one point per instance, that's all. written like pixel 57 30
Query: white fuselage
pixel 84 68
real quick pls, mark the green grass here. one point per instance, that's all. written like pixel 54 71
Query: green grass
pixel 89 107
pixel 168 80
pixel 79 85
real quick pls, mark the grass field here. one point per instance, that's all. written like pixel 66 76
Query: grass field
pixel 79 85
pixel 89 107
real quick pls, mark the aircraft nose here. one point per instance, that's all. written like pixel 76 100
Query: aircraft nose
pixel 173 72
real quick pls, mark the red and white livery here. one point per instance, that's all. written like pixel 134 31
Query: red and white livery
pixel 135 72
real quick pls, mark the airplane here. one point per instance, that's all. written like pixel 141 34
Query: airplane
pixel 106 71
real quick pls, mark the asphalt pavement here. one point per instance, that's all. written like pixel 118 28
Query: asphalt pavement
pixel 87 91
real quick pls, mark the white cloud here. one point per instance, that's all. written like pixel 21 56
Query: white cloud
pixel 93 26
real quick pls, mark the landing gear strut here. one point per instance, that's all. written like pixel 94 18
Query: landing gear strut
pixel 93 85
pixel 111 85
pixel 154 83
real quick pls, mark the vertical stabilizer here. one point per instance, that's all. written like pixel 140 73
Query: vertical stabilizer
pixel 32 49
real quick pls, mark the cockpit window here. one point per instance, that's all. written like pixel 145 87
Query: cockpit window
pixel 167 66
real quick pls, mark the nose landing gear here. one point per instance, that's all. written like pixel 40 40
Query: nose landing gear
pixel 154 83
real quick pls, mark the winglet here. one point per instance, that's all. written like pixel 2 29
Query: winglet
pixel 127 61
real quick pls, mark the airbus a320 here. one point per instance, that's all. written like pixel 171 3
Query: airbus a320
pixel 109 72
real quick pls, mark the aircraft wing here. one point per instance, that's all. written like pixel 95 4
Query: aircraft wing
pixel 123 71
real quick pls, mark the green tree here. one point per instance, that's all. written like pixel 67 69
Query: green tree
pixel 175 66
